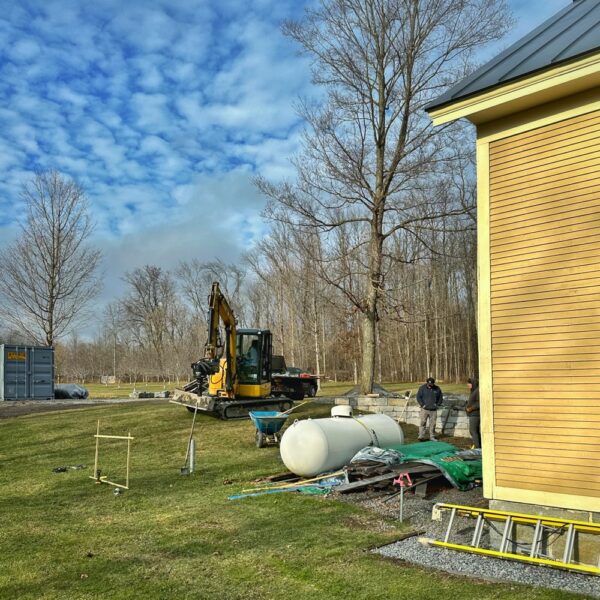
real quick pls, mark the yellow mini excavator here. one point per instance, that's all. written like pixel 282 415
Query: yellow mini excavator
pixel 235 377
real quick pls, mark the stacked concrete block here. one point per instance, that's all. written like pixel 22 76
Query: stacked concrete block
pixel 452 413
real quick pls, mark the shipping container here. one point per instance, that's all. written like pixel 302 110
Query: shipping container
pixel 26 372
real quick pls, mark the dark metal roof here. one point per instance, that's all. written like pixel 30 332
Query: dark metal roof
pixel 569 34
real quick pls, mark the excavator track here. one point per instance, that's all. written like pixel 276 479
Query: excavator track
pixel 239 409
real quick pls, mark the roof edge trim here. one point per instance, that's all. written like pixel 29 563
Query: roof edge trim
pixel 477 106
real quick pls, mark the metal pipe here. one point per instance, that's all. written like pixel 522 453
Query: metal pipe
pixel 192 455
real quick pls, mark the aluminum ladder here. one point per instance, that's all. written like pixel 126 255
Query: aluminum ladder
pixel 541 524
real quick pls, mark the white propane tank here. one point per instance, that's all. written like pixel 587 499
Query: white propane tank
pixel 315 446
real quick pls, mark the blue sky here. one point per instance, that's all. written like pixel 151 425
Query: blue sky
pixel 163 110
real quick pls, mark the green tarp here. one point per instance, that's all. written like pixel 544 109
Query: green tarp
pixel 452 461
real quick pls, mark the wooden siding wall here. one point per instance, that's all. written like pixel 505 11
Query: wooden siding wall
pixel 545 307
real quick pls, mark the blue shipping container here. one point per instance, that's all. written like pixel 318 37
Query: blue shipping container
pixel 26 372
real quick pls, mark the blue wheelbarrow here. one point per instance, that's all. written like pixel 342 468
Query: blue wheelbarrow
pixel 268 424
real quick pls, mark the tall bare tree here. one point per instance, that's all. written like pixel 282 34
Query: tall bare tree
pixel 370 151
pixel 49 274
pixel 150 309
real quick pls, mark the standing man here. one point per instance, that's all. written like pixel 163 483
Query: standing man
pixel 430 399
pixel 472 409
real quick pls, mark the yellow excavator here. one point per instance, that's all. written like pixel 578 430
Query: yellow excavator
pixel 235 377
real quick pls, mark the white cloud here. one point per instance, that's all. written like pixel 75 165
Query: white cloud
pixel 24 50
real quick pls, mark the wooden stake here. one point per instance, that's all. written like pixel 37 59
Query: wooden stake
pixel 96 476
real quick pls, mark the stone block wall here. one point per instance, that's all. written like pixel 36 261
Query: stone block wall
pixel 452 416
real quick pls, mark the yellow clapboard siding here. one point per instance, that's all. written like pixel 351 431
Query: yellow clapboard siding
pixel 518 250
pixel 539 388
pixel 549 325
pixel 559 410
pixel 553 331
pixel 544 358
pixel 539 476
pixel 585 308
pixel 546 355
pixel 551 372
pixel 544 260
pixel 560 487
pixel 546 211
pixel 509 447
pixel 548 224
pixel 550 228
pixel 526 282
pixel 533 269
pixel 520 468
pixel 542 239
pixel 537 167
pixel 542 135
pixel 541 273
pixel 506 373
pixel 517 318
pixel 555 178
pixel 552 346
pixel 580 419
pixel 555 291
pixel 540 448
pixel 543 364
pixel 558 406
pixel 537 211
pixel 559 339
pixel 541 464
pixel 516 208
pixel 550 252
pixel 571 145
pixel 583 179
pixel 517 155
pixel 566 396
pixel 549 477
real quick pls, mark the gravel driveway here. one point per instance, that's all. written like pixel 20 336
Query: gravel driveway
pixel 17 408
pixel 417 513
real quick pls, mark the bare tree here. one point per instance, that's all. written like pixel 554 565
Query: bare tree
pixel 151 311
pixel 196 278
pixel 370 152
pixel 49 274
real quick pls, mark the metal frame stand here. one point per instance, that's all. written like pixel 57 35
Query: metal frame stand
pixel 104 478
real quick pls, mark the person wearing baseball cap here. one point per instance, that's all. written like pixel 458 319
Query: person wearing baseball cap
pixel 430 398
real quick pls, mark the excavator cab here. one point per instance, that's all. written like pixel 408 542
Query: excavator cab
pixel 253 355
pixel 253 352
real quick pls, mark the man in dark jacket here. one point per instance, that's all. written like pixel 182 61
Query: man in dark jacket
pixel 472 409
pixel 430 399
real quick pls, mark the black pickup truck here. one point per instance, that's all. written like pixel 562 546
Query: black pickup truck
pixel 282 376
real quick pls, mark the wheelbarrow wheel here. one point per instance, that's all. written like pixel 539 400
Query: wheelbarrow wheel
pixel 260 439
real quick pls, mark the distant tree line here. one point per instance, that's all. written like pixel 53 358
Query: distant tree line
pixel 426 325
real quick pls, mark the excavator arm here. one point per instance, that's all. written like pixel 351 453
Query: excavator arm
pixel 220 311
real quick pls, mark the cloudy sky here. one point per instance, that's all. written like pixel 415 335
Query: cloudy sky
pixel 163 110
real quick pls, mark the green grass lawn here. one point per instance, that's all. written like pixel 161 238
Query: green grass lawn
pixel 170 536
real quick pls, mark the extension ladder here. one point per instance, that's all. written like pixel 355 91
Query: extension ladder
pixel 541 525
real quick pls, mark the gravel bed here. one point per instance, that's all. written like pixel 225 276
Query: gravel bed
pixel 417 514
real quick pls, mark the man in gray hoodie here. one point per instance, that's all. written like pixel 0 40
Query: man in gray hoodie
pixel 430 398
pixel 472 409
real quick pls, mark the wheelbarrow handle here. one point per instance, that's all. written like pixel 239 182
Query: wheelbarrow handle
pixel 289 410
